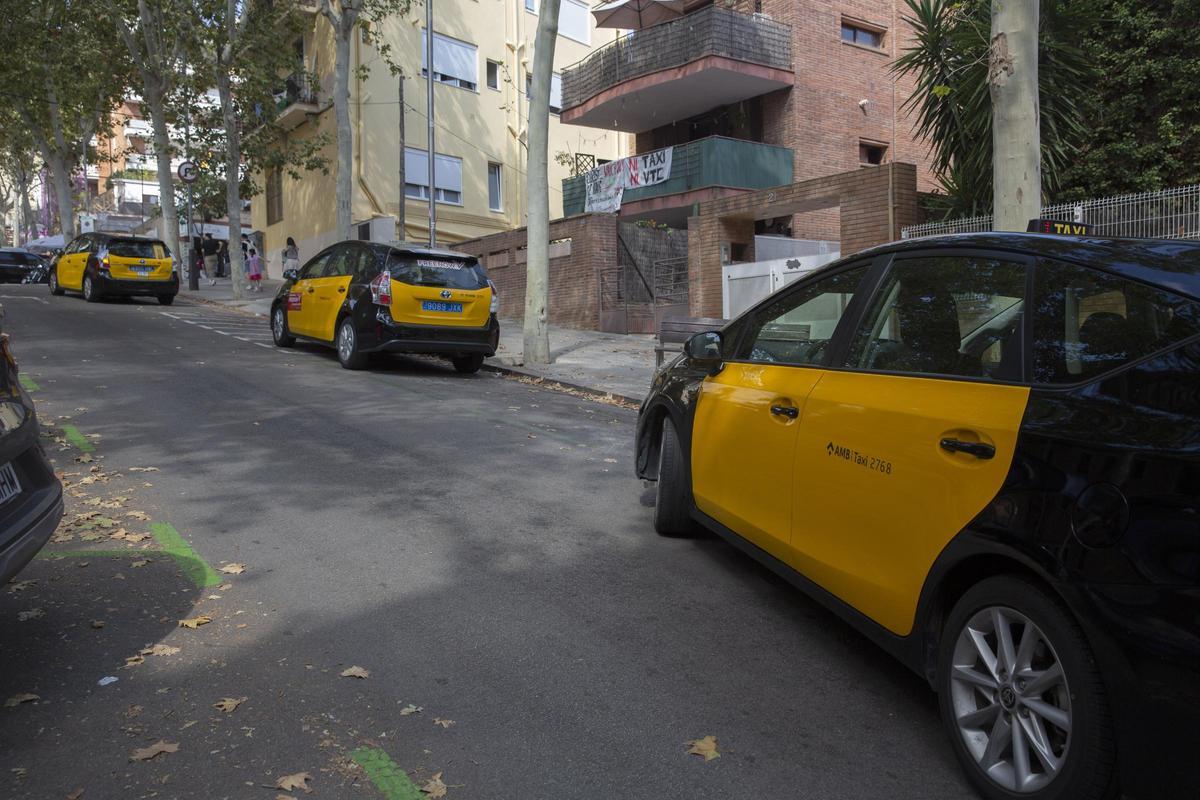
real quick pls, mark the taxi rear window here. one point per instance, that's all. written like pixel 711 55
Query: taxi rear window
pixel 450 273
pixel 135 248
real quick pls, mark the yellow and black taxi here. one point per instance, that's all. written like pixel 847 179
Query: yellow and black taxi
pixel 363 298
pixel 983 451
pixel 30 494
pixel 100 265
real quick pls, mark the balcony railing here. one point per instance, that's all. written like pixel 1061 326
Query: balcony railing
pixel 715 161
pixel 297 88
pixel 711 31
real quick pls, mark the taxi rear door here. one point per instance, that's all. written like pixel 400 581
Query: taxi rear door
pixel 330 287
pixel 912 433
pixel 748 415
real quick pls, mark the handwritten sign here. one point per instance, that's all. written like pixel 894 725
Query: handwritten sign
pixel 606 184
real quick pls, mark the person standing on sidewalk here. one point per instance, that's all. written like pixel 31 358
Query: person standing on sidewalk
pixel 291 255
pixel 210 259
pixel 254 268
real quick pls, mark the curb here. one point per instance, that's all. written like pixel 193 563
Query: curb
pixel 551 383
pixel 208 302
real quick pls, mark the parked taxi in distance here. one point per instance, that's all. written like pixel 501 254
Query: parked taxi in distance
pixel 983 451
pixel 100 265
pixel 363 298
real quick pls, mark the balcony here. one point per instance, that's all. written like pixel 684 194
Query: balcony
pixel 700 170
pixel 297 101
pixel 138 129
pixel 652 77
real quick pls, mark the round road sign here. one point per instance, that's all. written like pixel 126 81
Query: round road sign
pixel 187 172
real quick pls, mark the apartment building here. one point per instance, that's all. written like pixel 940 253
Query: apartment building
pixel 483 55
pixel 743 95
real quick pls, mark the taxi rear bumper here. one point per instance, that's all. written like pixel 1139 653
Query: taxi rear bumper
pixel 387 336
pixel 133 287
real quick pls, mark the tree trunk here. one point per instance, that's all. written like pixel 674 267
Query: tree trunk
pixel 60 175
pixel 1016 136
pixel 162 152
pixel 537 268
pixel 341 110
pixel 233 194
pixel 27 226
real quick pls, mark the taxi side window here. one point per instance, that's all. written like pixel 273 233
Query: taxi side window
pixel 339 263
pixel 797 327
pixel 946 315
pixel 1087 322
pixel 316 267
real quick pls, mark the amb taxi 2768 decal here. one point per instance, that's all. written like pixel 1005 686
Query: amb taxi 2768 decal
pixel 873 463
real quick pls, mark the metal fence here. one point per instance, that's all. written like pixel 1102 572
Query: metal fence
pixel 1166 214
pixel 671 281
pixel 709 31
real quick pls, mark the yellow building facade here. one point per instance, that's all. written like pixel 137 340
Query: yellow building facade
pixel 483 55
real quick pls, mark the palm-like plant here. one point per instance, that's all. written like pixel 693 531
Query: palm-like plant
pixel 952 102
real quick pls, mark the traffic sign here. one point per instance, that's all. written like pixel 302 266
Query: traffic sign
pixel 187 172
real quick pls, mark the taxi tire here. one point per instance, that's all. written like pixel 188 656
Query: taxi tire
pixel 469 364
pixel 1088 772
pixel 672 516
pixel 166 299
pixel 279 328
pixel 90 293
pixel 356 358
pixel 55 288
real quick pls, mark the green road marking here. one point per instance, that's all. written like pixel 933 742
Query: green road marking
pixel 188 559
pixel 29 383
pixel 61 554
pixel 76 438
pixel 391 781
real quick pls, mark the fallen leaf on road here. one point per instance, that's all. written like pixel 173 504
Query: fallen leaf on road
pixel 410 709
pixel 141 562
pixel 136 537
pixel 283 796
pixel 97 624
pixel 195 622
pixel 138 515
pixel 156 749
pixel 17 699
pixel 228 704
pixel 225 587
pixel 160 650
pixel 233 569
pixel 290 783
pixel 32 613
pixel 91 536
pixel 20 586
pixel 75 795
pixel 445 723
pixel 143 469
pixel 133 661
pixel 434 786
pixel 355 672
pixel 83 459
pixel 117 576
pixel 706 748
pixel 188 724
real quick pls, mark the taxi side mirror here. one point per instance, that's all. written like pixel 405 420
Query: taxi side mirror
pixel 291 274
pixel 704 349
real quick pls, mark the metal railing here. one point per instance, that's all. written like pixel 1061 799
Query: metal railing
pixel 1166 214
pixel 711 31
pixel 297 88
pixel 671 281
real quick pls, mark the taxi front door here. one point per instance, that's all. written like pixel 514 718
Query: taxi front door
pixel 748 415
pixel 72 262
pixel 913 437
pixel 328 292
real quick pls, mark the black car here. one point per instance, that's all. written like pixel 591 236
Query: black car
pixel 983 451
pixel 16 264
pixel 363 298
pixel 30 495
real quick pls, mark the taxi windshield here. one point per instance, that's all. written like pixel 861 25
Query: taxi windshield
pixel 447 272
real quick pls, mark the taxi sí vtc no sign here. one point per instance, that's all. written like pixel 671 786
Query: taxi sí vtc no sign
pixel 363 298
pixel 983 451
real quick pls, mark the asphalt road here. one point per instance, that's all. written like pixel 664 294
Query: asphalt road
pixel 477 544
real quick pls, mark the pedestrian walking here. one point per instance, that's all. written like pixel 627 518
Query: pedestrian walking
pixel 254 268
pixel 223 258
pixel 291 255
pixel 210 259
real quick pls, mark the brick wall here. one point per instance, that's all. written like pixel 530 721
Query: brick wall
pixel 574 267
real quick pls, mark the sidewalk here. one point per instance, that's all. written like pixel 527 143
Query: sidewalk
pixel 222 294
pixel 600 363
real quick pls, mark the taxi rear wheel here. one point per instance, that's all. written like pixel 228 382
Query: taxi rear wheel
pixel 671 513
pixel 166 299
pixel 90 293
pixel 348 352
pixel 279 328
pixel 468 365
pixel 1021 697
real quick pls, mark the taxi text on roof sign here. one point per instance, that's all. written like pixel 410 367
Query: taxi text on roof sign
pixel 1059 227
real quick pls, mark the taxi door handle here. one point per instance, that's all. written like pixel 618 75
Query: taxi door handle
pixel 342 289
pixel 791 412
pixel 977 449
pixel 311 290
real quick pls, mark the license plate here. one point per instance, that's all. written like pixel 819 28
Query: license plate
pixel 142 270
pixel 10 487
pixel 437 305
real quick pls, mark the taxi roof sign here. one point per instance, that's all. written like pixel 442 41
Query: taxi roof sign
pixel 1059 227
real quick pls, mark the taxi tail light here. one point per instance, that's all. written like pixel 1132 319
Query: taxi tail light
pixel 381 289
pixel 495 307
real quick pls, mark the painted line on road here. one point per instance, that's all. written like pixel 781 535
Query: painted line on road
pixel 29 383
pixel 76 438
pixel 188 559
pixel 386 775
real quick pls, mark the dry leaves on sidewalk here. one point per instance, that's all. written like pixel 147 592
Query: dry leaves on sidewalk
pixel 160 650
pixel 290 783
pixel 355 672
pixel 233 569
pixel 195 622
pixel 434 786
pixel 445 723
pixel 156 749
pixel 706 748
pixel 228 704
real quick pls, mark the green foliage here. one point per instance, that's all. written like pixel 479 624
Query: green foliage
pixel 1143 110
pixel 952 102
